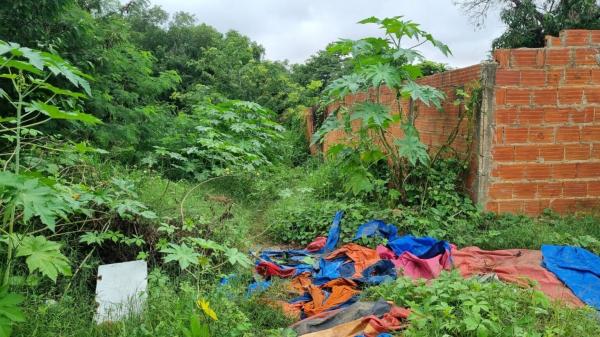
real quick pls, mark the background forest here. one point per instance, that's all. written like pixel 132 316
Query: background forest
pixel 128 133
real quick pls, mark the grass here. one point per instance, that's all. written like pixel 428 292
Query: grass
pixel 299 202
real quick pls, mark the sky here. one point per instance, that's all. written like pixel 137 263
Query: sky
pixel 295 29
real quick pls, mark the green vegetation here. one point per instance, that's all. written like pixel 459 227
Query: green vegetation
pixel 529 21
pixel 158 138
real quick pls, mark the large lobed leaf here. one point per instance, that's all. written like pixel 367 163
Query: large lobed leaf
pixel 43 256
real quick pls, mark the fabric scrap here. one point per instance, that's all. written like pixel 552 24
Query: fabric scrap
pixel 329 319
pixel 376 228
pixel 423 247
pixel 362 256
pixel 317 244
pixel 578 268
pixel 392 321
pixel 334 233
pixel 267 269
pixel 379 272
pixel 415 267
pixel 518 266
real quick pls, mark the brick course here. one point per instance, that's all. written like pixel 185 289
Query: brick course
pixel 544 125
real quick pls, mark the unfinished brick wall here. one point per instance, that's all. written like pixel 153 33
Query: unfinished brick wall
pixel 434 126
pixel 545 150
pixel 537 139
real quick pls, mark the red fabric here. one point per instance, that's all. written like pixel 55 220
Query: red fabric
pixel 317 244
pixel 518 266
pixel 363 257
pixel 266 268
pixel 415 267
pixel 391 321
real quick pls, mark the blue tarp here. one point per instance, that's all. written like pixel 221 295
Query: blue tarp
pixel 379 272
pixel 334 233
pixel 332 269
pixel 578 268
pixel 424 248
pixel 377 228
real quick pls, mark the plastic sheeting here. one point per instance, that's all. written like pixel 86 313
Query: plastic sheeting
pixel 519 266
pixel 376 228
pixel 361 256
pixel 424 247
pixel 578 268
pixel 415 267
pixel 329 319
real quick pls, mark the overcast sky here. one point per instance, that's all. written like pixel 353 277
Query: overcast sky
pixel 295 29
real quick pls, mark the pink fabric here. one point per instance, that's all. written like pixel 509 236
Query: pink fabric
pixel 317 245
pixel 415 267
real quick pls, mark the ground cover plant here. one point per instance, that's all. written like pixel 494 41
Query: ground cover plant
pixel 128 134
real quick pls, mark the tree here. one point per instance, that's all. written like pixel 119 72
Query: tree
pixel 529 21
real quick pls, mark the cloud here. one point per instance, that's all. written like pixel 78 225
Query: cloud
pixel 294 30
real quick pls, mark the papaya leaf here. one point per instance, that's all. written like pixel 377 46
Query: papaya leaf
pixel 44 256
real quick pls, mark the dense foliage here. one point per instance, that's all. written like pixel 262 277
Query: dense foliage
pixel 155 137
pixel 529 21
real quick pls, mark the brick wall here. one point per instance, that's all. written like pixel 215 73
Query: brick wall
pixel 434 126
pixel 537 139
pixel 545 148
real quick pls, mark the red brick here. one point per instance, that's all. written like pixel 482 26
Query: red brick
pixel 576 37
pixel 577 152
pixel 518 96
pixel 567 134
pixel 556 115
pixel 593 188
pixel 586 56
pixel 503 153
pixel 538 171
pixel 545 97
pixel 508 77
pixel 588 170
pixel 515 135
pixel 549 190
pixel 530 116
pixel 491 206
pixel 526 57
pixel 524 190
pixel 509 172
pixel 558 56
pixel 499 135
pixel 564 171
pixel 502 56
pixel 592 95
pixel 541 135
pixel 563 205
pixel 510 206
pixel 575 189
pixel 534 207
pixel 590 133
pixel 578 76
pixel 552 41
pixel 554 77
pixel 595 37
pixel 500 191
pixel 535 78
pixel 551 153
pixel 500 96
pixel 595 151
pixel 570 95
pixel 526 153
pixel 581 115
pixel 506 116
pixel 595 76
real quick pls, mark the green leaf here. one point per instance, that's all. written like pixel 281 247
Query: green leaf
pixel 371 114
pixel 182 254
pixel 55 113
pixel 20 65
pixel 10 312
pixel 236 257
pixel 411 148
pixel 45 256
pixel 32 198
pixel 380 74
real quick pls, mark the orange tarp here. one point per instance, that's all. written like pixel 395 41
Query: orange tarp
pixel 362 256
pixel 518 266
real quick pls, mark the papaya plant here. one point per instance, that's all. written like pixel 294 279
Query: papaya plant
pixel 371 156
pixel 29 100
